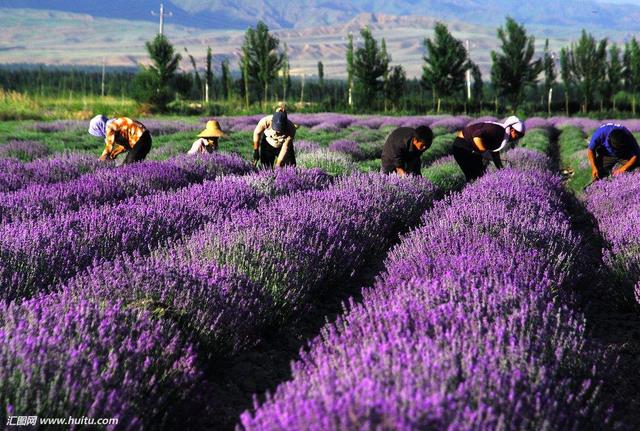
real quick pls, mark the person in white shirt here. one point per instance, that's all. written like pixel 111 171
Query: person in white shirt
pixel 208 142
pixel 273 140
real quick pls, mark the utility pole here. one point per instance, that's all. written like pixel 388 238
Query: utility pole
pixel 161 15
pixel 102 80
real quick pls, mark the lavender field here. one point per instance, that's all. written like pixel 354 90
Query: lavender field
pixel 198 292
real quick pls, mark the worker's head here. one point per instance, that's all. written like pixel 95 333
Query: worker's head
pixel 515 127
pixel 422 138
pixel 279 122
pixel 98 126
pixel 280 107
pixel 212 134
pixel 620 140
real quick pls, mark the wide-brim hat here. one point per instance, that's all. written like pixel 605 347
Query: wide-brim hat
pixel 212 130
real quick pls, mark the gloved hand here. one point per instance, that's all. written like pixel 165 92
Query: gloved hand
pixel 256 155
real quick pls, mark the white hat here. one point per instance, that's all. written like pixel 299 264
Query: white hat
pixel 516 124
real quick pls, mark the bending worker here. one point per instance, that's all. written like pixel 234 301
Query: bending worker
pixel 121 135
pixel 612 144
pixel 273 140
pixel 403 149
pixel 208 142
pixel 487 138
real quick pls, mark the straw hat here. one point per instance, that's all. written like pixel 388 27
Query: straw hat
pixel 212 130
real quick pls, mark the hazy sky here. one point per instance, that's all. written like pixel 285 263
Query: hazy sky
pixel 635 2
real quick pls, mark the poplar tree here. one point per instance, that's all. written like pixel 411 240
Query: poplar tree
pixel 262 57
pixel 513 68
pixel 369 66
pixel 445 64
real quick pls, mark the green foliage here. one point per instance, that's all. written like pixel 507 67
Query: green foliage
pixel 445 64
pixel 549 67
pixel 373 165
pixel 613 82
pixel 446 176
pixel 227 82
pixel 440 147
pixel 321 73
pixel 369 66
pixel 536 139
pixel 395 85
pixel 573 158
pixel 513 69
pixel 331 162
pixel 261 57
pixel 154 84
pixel 587 63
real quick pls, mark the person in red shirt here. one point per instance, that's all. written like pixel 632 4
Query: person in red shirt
pixel 121 135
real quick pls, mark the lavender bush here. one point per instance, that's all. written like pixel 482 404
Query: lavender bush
pixel 318 237
pixel 63 167
pixel 23 150
pixel 63 356
pixel 40 252
pixel 349 147
pixel 615 204
pixel 462 332
pixel 112 185
pixel 331 162
pixel 220 310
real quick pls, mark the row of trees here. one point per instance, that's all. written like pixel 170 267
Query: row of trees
pixel 595 71
pixel 592 74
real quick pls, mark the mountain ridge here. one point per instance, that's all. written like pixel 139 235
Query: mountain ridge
pixel 285 14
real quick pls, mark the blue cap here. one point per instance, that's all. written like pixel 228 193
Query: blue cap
pixel 279 122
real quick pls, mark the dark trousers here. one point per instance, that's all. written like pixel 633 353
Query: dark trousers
pixel 140 149
pixel 269 154
pixel 472 164
pixel 605 163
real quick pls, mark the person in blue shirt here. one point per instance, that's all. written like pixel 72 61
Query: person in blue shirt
pixel 611 145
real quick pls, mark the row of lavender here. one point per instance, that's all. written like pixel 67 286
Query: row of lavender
pixel 615 204
pixel 41 251
pixel 112 185
pixel 127 338
pixel 465 330
pixel 15 175
pixel 331 122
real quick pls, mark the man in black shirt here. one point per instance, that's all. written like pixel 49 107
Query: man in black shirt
pixel 403 148
pixel 484 138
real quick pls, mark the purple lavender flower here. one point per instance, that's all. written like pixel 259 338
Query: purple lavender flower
pixel 23 150
pixel 615 205
pixel 15 175
pixel 451 123
pixel 306 146
pixel 59 126
pixel 349 147
pixel 40 252
pixel 63 356
pixel 112 185
pixel 462 331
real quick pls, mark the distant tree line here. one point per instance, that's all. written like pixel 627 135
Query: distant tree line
pixel 588 76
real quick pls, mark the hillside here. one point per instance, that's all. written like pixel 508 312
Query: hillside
pixel 38 36
pixel 238 14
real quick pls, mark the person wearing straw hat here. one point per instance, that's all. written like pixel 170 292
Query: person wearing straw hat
pixel 273 139
pixel 121 135
pixel 208 142
pixel 483 140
